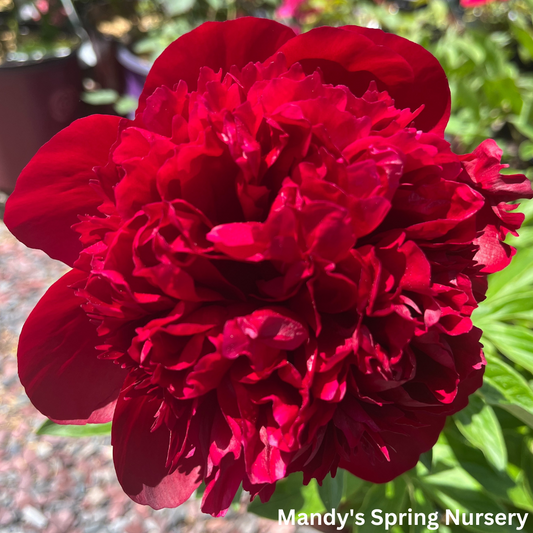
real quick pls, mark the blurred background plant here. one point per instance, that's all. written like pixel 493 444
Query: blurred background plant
pixel 142 29
pixel 149 26
pixel 483 461
pixel 34 31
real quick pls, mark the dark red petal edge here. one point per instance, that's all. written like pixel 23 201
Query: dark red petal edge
pixel 217 45
pixel 58 363
pixel 353 56
pixel 140 455
pixel 53 189
pixel 430 86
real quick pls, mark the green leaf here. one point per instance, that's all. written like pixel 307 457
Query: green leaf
pixel 525 150
pixel 287 496
pixel 466 501
pixel 88 430
pixel 516 276
pixel 480 426
pixel 100 97
pixel 355 490
pixel 126 105
pixel 427 459
pixel 515 342
pixel 505 387
pixel 332 489
pixel 390 497
pixel 453 491
pixel 217 4
pixel 498 484
pixel 290 494
pixel 177 7
pixel 512 307
pixel 453 478
pixel 311 496
pixel 421 503
pixel 524 239
pixel 523 127
pixel 525 39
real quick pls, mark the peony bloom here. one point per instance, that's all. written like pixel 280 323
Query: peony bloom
pixel 476 3
pixel 289 8
pixel 273 266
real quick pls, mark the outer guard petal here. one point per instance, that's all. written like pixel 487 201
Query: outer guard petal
pixel 353 56
pixel 404 452
pixel 429 87
pixel 58 362
pixel 217 45
pixel 140 455
pixel 53 189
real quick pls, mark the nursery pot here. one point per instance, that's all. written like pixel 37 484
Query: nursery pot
pixel 37 99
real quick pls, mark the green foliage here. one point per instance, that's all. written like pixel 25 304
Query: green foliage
pixel 177 17
pixel 480 426
pixel 290 494
pixel 100 97
pixel 88 430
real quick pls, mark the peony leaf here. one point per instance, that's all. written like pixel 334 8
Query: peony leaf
pixel 427 459
pixel 177 7
pixel 505 387
pixel 88 430
pixel 289 494
pixel 312 501
pixel 391 497
pixel 513 341
pixel 355 491
pixel 332 489
pixel 464 500
pixel 525 150
pixel 514 306
pixel 502 485
pixel 216 4
pixel 527 463
pixel 516 277
pixel 480 426
pixel 125 105
pixel 524 240
pixel 456 489
pixel 453 478
pixel 421 503
pixel 100 97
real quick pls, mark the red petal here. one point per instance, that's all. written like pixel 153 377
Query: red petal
pixel 217 45
pixel 353 56
pixel 58 363
pixel 429 87
pixel 483 166
pixel 403 450
pixel 140 456
pixel 54 187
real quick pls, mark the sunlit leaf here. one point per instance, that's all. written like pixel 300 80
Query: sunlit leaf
pixel 480 426
pixel 88 430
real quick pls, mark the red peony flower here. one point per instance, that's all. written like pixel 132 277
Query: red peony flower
pixel 274 264
pixel 475 3
pixel 289 8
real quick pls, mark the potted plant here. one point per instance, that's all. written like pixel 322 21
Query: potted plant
pixel 40 80
pixel 141 29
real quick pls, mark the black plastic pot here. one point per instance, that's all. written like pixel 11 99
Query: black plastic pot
pixel 37 99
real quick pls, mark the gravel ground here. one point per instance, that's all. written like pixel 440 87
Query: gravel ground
pixel 65 485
